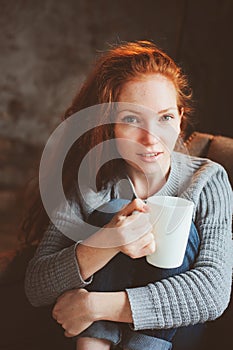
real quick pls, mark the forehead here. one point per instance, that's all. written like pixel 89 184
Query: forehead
pixel 155 92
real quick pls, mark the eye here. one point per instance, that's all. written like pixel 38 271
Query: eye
pixel 130 119
pixel 166 117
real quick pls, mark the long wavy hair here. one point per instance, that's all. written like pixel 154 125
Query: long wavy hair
pixel 119 65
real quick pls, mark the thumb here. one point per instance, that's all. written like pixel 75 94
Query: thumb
pixel 136 205
pixel 69 335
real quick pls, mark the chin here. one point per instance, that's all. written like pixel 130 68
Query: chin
pixel 149 169
pixel 159 167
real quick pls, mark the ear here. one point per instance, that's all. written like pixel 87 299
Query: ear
pixel 183 123
pixel 181 113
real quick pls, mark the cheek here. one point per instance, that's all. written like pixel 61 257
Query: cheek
pixel 119 146
pixel 124 136
pixel 119 135
pixel 169 137
pixel 121 131
pixel 125 146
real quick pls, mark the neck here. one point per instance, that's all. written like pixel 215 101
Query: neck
pixel 147 185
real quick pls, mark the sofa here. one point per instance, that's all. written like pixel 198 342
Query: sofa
pixel 24 327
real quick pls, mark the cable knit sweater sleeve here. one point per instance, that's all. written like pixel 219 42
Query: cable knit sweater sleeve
pixel 202 293
pixel 54 268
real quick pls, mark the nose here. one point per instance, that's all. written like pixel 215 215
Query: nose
pixel 147 138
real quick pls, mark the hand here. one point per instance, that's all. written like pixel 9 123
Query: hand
pixel 143 246
pixel 73 311
pixel 134 230
pixel 128 232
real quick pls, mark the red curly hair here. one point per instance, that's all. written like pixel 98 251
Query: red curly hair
pixel 114 68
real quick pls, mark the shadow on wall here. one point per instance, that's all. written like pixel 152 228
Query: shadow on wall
pixel 18 164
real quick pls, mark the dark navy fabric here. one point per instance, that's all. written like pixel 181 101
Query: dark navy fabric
pixel 123 272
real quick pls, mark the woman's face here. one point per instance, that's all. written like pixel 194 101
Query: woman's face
pixel 147 124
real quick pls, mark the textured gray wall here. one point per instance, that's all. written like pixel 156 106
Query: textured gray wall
pixel 47 47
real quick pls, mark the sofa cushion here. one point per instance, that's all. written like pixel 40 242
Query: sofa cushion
pixel 221 151
pixel 198 144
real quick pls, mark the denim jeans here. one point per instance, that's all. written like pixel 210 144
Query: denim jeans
pixel 123 272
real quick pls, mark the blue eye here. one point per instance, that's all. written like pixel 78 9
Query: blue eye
pixel 166 117
pixel 130 119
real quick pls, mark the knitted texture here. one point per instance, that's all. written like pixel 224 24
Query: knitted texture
pixel 198 295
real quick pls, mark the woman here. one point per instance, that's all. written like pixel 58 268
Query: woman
pixel 148 102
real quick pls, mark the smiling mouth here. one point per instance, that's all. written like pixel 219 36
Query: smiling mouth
pixel 149 155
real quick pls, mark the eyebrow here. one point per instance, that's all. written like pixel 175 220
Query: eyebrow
pixel 166 110
pixel 138 112
pixel 129 110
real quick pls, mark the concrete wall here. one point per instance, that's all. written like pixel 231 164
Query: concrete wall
pixel 46 49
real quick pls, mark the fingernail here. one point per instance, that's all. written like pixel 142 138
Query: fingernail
pixel 145 207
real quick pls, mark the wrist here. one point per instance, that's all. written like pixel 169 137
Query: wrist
pixel 96 303
pixel 91 259
pixel 111 306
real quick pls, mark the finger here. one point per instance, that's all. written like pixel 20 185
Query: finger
pixel 149 248
pixel 69 335
pixel 143 241
pixel 139 224
pixel 139 252
pixel 136 205
pixel 54 314
pixel 137 220
pixel 148 238
pixel 134 231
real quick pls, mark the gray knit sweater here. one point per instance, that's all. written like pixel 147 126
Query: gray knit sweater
pixel 198 295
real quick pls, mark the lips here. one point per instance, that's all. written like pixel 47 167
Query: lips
pixel 149 156
pixel 153 154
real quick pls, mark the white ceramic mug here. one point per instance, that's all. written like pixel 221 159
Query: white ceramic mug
pixel 171 219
